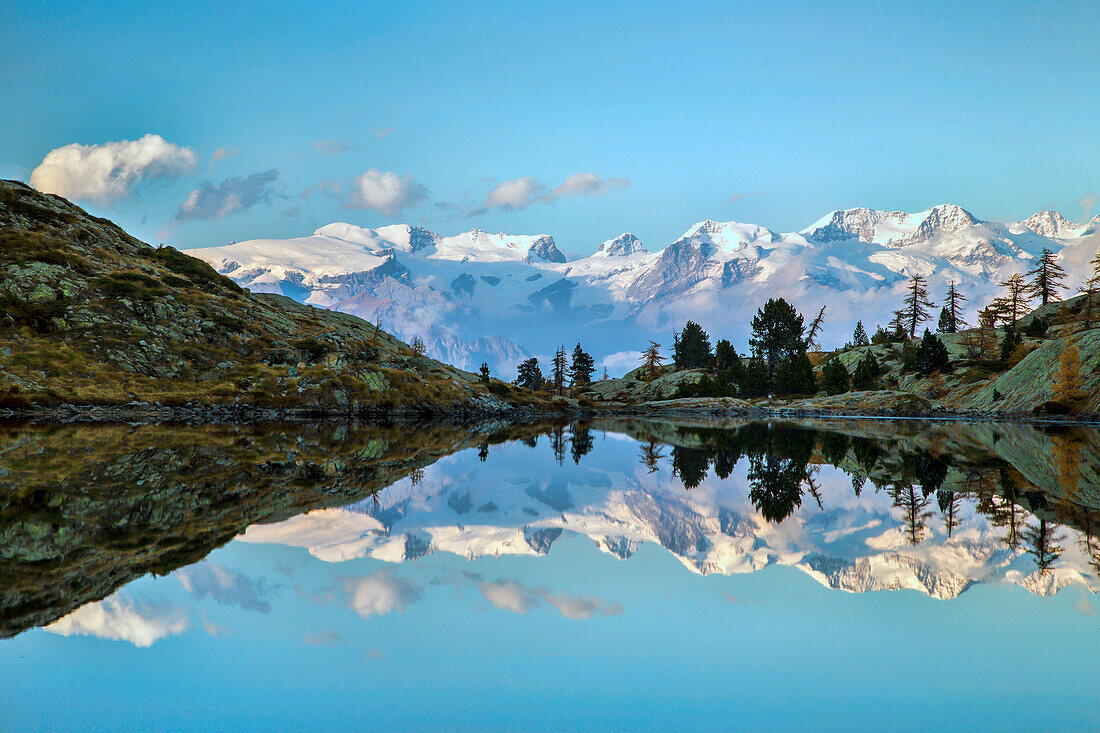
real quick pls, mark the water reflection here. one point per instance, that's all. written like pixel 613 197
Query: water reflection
pixel 857 505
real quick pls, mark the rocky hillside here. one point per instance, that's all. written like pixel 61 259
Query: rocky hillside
pixel 90 315
pixel 983 384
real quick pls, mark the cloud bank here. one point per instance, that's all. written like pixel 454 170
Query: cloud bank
pixel 232 196
pixel 380 593
pixel 519 193
pixel 385 192
pixel 121 619
pixel 110 171
pixel 224 586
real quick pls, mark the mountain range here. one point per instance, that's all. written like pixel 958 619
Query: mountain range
pixel 478 296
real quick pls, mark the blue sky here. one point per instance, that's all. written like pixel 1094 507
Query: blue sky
pixel 773 113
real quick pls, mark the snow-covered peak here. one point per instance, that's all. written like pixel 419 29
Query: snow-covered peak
pixel 480 246
pixel 894 228
pixel 1092 227
pixel 397 236
pixel 1050 224
pixel 945 218
pixel 867 225
pixel 729 236
pixel 623 245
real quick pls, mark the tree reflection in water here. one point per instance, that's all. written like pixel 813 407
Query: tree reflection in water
pixel 783 458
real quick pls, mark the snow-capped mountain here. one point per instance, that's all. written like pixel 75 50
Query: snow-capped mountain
pixel 478 296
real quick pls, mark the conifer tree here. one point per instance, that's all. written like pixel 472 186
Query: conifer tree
pixel 651 455
pixel 931 355
pixel 834 377
pixel 582 368
pixel 1043 544
pixel 559 368
pixel 813 329
pixel 867 372
pixel 1067 380
pixel 1090 288
pixel 1012 339
pixel 724 355
pixel 652 362
pixel 417 346
pixel 692 348
pixel 777 333
pixel 557 443
pixel 951 320
pixel 859 336
pixel 1016 302
pixel 483 373
pixel 530 375
pixel 1048 278
pixel 917 305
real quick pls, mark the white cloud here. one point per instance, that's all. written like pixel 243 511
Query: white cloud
pixel 231 196
pixel 508 595
pixel 622 361
pixel 380 594
pixel 121 619
pixel 511 595
pixel 224 586
pixel 382 132
pixel 585 184
pixel 519 193
pixel 386 192
pixel 104 173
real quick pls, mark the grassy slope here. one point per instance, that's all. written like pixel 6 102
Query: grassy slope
pixel 91 315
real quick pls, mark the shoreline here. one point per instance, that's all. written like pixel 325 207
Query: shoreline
pixel 707 408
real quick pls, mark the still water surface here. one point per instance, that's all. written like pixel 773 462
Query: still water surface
pixel 619 574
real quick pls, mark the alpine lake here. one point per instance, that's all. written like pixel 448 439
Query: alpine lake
pixel 841 574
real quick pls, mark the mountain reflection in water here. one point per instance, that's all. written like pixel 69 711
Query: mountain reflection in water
pixel 391 517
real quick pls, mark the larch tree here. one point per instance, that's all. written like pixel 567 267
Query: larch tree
pixel 813 329
pixel 652 362
pixel 1047 278
pixel 1043 544
pixel 417 346
pixel 1067 380
pixel 917 305
pixel 559 368
pixel 1017 301
pixel 1090 288
pixel 651 455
